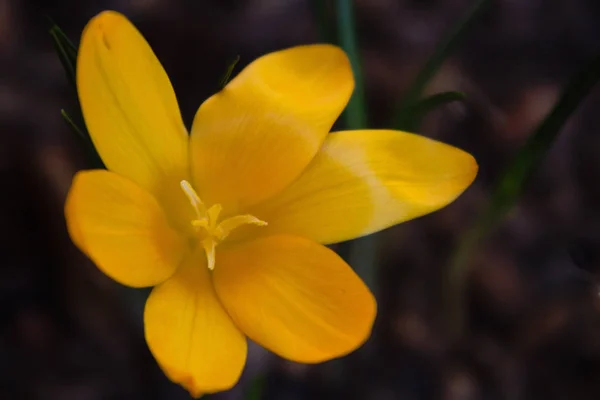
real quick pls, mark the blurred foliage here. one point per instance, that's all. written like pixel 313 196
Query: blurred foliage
pixel 509 188
pixel 415 112
pixel 412 108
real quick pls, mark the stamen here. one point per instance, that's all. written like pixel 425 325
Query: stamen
pixel 226 226
pixel 200 223
pixel 213 214
pixel 194 199
pixel 210 231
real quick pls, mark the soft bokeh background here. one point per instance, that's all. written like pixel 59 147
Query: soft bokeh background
pixel 69 332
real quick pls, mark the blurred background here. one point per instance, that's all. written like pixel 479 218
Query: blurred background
pixel 533 309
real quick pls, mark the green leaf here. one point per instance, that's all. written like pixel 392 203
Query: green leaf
pixel 73 125
pixel 229 72
pixel 433 64
pixel 510 186
pixel 93 155
pixel 67 52
pixel 418 110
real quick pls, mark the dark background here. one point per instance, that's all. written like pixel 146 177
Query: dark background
pixel 69 332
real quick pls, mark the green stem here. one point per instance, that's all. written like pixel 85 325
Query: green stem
pixel 356 112
pixel 362 252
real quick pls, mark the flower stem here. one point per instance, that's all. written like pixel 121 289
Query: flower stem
pixel 355 115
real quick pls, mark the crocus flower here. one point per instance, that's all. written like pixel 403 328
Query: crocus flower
pixel 229 222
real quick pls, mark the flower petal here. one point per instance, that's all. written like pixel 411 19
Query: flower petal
pixel 295 297
pixel 365 181
pixel 253 138
pixel 122 229
pixel 129 106
pixel 190 334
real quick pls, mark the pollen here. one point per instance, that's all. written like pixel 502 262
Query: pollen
pixel 209 228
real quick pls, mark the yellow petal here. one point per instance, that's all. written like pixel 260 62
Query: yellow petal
pixel 365 181
pixel 190 334
pixel 130 107
pixel 122 229
pixel 295 297
pixel 253 138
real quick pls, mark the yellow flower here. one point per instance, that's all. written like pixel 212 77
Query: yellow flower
pixel 228 222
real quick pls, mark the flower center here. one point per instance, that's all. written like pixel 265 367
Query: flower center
pixel 207 225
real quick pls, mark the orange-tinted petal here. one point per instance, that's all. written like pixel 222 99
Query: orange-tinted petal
pixel 365 181
pixel 130 108
pixel 253 138
pixel 295 297
pixel 190 334
pixel 122 229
